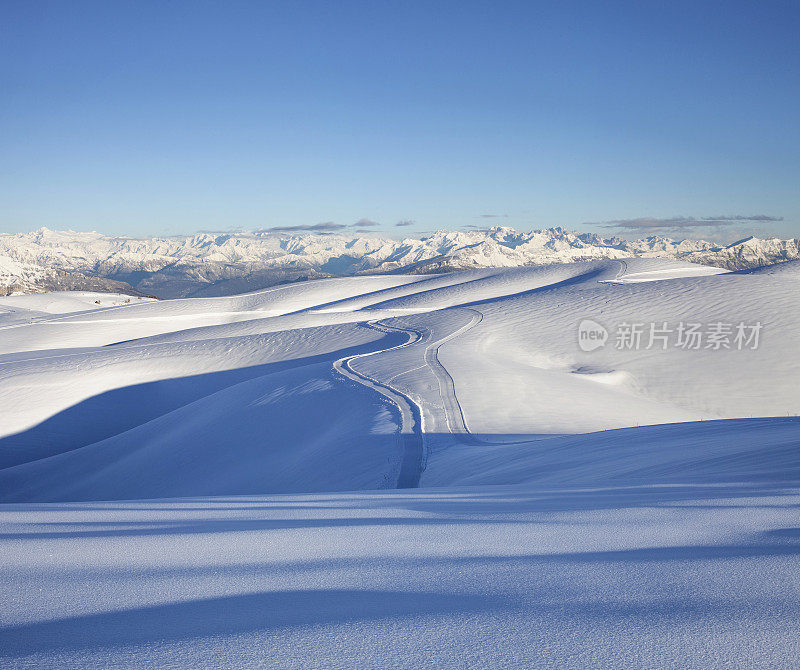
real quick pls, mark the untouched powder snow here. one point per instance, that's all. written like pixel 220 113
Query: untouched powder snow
pixel 65 302
pixel 533 338
pixel 685 575
pixel 213 482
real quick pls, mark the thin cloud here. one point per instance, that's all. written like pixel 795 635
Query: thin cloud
pixel 402 224
pixel 739 217
pixel 317 227
pixel 677 223
pixel 494 216
pixel 363 223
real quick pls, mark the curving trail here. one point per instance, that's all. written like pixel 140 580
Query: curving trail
pixel 454 414
pixel 413 446
pixel 411 435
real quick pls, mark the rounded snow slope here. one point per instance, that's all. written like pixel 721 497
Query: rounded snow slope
pixel 785 269
pixel 425 283
pixel 521 371
pixel 64 401
pixel 14 316
pixel 762 451
pixel 648 269
pixel 481 285
pixel 100 327
pixel 272 301
pixel 259 326
pixel 65 302
pixel 297 430
pixel 348 310
pixel 23 310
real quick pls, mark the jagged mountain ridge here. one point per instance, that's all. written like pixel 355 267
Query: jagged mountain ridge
pixel 208 264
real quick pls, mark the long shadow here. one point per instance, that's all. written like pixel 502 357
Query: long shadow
pixel 774 543
pixel 766 547
pixel 567 499
pixel 577 279
pixel 116 529
pixel 273 611
pixel 383 304
pixel 339 301
pixel 116 411
pixel 229 615
pixel 433 508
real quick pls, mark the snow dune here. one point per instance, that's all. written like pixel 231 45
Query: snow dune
pixel 100 327
pixel 533 339
pixel 66 302
pixel 245 438
pixel 213 482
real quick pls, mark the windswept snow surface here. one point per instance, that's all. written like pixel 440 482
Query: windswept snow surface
pixel 404 471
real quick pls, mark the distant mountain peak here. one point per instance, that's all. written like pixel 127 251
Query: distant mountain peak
pixel 219 263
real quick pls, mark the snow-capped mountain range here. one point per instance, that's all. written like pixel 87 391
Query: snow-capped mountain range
pixel 214 264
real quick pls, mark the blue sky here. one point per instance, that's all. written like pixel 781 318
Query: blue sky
pixel 168 117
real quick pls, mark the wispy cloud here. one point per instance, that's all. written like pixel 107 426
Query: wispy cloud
pixel 363 223
pixel 494 216
pixel 678 223
pixel 402 224
pixel 739 217
pixel 317 227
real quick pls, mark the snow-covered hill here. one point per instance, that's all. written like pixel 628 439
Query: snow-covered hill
pixel 480 357
pixel 208 264
pixel 401 470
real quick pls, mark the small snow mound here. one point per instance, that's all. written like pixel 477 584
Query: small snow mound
pixel 611 377
pixel 785 269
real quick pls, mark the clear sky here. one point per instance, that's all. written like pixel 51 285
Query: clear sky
pixel 166 117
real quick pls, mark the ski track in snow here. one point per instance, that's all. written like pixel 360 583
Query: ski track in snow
pixel 451 407
pixel 412 432
pixel 411 435
pixel 454 415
